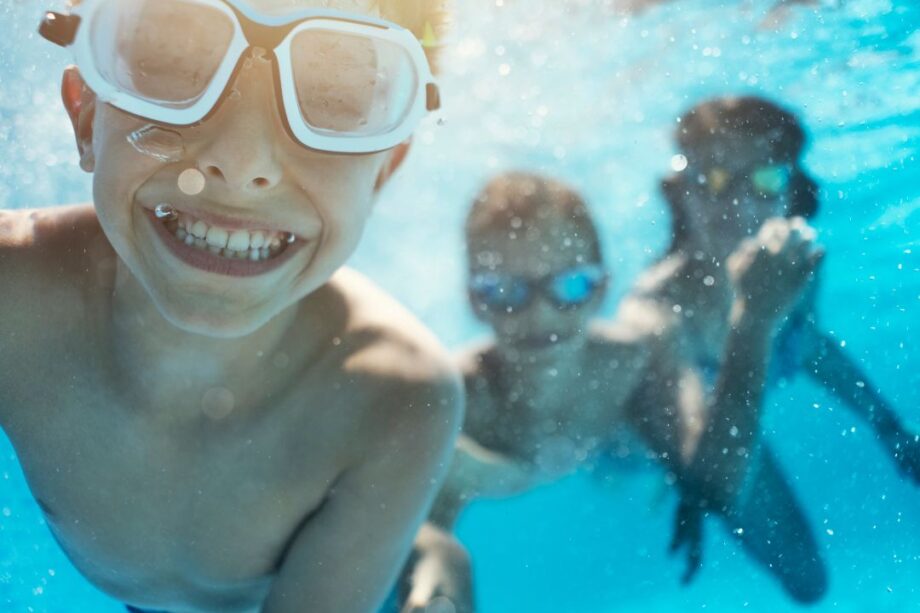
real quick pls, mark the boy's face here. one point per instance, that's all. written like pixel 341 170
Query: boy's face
pixel 535 252
pixel 258 182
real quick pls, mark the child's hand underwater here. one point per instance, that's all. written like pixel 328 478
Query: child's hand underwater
pixel 441 579
pixel 771 270
pixel 688 535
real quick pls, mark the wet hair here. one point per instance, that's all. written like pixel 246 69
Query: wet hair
pixel 414 15
pixel 748 117
pixel 515 201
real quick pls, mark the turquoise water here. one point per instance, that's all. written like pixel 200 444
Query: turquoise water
pixel 572 88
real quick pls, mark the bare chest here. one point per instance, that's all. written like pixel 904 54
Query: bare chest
pixel 558 419
pixel 199 513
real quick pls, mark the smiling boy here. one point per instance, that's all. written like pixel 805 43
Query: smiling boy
pixel 211 412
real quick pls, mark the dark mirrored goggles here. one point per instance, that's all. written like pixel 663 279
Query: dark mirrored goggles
pixel 568 289
pixel 346 83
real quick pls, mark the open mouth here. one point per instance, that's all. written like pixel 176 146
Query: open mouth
pixel 544 341
pixel 233 251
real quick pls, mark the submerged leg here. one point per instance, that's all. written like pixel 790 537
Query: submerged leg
pixel 773 529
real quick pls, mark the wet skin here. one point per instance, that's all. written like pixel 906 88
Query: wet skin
pixel 207 443
pixel 719 225
pixel 700 279
pixel 538 411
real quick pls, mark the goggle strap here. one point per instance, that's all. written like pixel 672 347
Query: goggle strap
pixel 59 28
pixel 433 97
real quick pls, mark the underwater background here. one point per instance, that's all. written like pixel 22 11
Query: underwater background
pixel 582 91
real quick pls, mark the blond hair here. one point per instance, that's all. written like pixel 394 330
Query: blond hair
pixel 427 19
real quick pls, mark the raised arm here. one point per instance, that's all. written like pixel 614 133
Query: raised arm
pixel 769 272
pixel 834 370
pixel 711 441
pixel 346 557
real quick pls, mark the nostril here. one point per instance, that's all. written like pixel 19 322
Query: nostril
pixel 214 172
pixel 260 182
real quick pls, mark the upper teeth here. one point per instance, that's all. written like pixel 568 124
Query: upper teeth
pixel 254 245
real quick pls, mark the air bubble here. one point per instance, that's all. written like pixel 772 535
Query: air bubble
pixel 281 360
pixel 218 403
pixel 191 182
pixel 158 143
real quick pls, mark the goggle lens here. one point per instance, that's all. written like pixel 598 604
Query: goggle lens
pixel 770 180
pixel 568 289
pixel 351 85
pixel 575 287
pixel 498 292
pixel 163 51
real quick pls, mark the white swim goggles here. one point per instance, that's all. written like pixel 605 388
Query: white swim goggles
pixel 346 83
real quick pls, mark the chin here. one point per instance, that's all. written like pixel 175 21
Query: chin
pixel 215 316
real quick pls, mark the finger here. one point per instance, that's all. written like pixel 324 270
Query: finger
pixel 774 235
pixel 801 238
pixel 775 225
pixel 815 257
pixel 679 537
pixel 694 564
pixel 799 249
pixel 412 607
pixel 802 226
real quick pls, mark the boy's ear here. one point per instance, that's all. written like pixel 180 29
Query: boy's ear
pixel 396 157
pixel 80 102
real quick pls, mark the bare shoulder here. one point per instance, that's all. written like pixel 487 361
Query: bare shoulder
pixel 479 382
pixel 659 279
pixel 473 363
pixel 620 343
pixel 46 256
pixel 52 228
pixel 48 245
pixel 392 360
pixel 387 339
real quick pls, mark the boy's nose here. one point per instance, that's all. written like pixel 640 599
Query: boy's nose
pixel 543 314
pixel 241 148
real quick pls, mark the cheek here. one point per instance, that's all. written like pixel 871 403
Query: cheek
pixel 119 169
pixel 342 189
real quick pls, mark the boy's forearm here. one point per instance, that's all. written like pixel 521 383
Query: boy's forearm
pixel 475 471
pixel 733 424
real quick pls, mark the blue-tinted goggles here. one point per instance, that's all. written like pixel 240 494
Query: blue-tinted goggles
pixel 568 289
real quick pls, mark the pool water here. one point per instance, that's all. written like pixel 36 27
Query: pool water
pixel 575 89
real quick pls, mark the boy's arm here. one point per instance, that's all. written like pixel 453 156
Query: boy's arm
pixel 20 283
pixel 439 572
pixel 476 471
pixel 347 556
pixel 770 273
pixel 833 369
